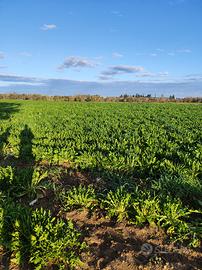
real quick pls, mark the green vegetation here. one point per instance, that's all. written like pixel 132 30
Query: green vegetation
pixel 144 162
pixel 117 203
pixel 81 197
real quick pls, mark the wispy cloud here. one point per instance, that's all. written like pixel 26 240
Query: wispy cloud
pixel 117 13
pixel 105 78
pixel 160 50
pixel 2 55
pixel 194 74
pixel 77 62
pixel 184 51
pixel 137 71
pixel 153 54
pixel 194 77
pixel 2 67
pixel 117 55
pixel 163 73
pixel 179 51
pixel 19 79
pixel 26 54
pixel 152 74
pixel 119 70
pixel 47 27
pixel 124 69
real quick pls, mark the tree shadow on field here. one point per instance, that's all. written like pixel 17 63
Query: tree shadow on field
pixel 6 111
pixel 15 205
pixel 4 140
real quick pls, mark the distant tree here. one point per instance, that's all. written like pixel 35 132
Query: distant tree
pixel 125 96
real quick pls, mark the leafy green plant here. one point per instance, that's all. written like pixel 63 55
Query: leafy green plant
pixel 38 239
pixel 21 236
pixel 9 213
pixel 185 187
pixel 175 219
pixel 6 180
pixel 117 203
pixel 54 242
pixel 147 209
pixel 78 197
pixel 31 182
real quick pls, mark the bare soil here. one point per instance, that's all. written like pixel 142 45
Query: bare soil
pixel 125 247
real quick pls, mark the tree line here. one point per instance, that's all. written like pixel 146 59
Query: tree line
pixel 97 98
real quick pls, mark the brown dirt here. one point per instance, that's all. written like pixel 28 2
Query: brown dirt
pixel 124 247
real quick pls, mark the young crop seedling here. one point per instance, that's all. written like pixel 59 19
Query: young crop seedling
pixel 78 197
pixel 117 204
pixel 54 242
pixel 147 210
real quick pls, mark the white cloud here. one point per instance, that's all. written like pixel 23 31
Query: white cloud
pixel 46 27
pixel 117 55
pixel 77 62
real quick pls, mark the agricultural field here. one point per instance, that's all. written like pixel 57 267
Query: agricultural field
pixel 100 185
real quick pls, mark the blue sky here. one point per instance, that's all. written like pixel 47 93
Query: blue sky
pixel 106 47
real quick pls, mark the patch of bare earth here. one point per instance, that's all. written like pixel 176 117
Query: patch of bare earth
pixel 123 246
